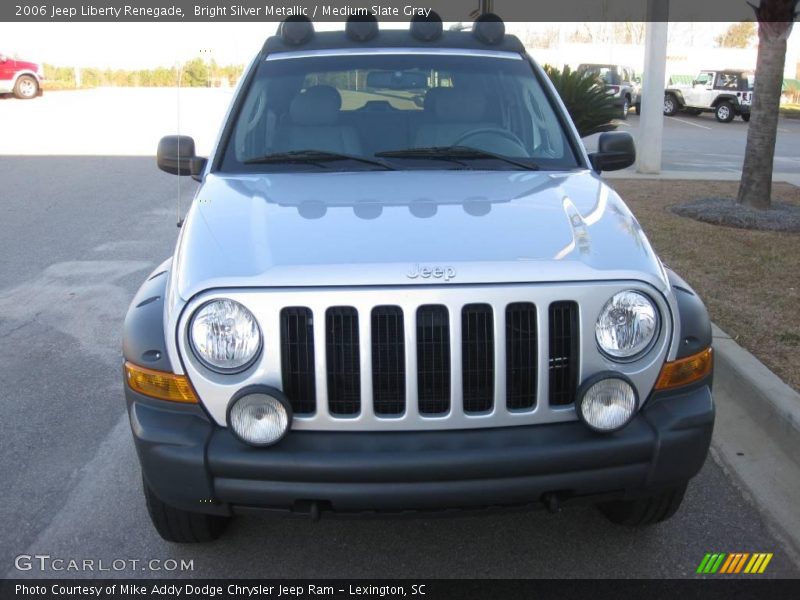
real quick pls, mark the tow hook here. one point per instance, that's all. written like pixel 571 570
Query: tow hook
pixel 552 502
pixel 313 511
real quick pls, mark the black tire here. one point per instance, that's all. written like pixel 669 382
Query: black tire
pixel 724 112
pixel 26 87
pixel 626 106
pixel 644 511
pixel 746 117
pixel 182 526
pixel 671 105
pixel 637 108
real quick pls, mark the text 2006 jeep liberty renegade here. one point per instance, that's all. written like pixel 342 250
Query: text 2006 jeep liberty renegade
pixel 402 286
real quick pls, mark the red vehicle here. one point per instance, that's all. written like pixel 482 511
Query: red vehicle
pixel 22 78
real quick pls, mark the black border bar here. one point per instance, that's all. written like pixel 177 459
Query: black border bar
pixel 744 587
pixel 384 10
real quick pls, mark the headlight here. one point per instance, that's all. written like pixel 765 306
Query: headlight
pixel 259 415
pixel 225 336
pixel 606 402
pixel 627 325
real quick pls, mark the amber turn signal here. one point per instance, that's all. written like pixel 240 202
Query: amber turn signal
pixel 159 384
pixel 686 370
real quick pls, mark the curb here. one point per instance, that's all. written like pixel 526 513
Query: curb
pixel 756 438
pixel 778 177
pixel 772 401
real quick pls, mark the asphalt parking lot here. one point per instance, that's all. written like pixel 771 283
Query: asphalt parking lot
pixel 700 143
pixel 86 216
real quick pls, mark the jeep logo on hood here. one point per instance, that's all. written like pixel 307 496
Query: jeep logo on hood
pixel 435 271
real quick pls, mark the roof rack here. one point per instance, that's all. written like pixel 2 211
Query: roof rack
pixel 487 30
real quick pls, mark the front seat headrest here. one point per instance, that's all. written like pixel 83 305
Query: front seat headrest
pixel 318 105
pixel 456 106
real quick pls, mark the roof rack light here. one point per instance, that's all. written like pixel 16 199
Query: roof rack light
pixel 296 30
pixel 361 28
pixel 426 29
pixel 489 29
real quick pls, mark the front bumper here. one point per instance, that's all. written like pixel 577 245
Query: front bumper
pixel 195 465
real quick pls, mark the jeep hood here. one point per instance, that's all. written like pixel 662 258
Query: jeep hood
pixel 377 227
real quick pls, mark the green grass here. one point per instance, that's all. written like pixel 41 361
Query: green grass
pixel 791 111
pixel 750 280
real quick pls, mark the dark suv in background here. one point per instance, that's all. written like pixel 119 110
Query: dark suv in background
pixel 621 82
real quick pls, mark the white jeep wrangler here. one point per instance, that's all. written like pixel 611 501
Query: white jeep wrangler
pixel 726 93
pixel 402 285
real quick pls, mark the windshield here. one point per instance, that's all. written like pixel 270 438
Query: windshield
pixel 607 75
pixel 332 112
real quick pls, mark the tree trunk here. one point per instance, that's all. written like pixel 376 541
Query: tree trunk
pixel 755 188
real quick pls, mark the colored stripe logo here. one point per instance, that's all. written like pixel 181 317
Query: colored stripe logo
pixel 734 563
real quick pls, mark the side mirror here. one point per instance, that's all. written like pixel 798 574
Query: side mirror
pixel 615 151
pixel 176 155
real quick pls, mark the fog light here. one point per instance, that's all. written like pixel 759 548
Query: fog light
pixel 607 402
pixel 259 415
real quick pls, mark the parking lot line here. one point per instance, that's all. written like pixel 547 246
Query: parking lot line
pixel 690 123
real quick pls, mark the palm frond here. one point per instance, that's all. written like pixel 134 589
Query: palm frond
pixel 589 105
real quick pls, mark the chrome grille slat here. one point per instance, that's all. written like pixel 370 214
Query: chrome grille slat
pixel 365 344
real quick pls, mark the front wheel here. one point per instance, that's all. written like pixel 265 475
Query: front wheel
pixel 181 526
pixel 670 105
pixel 746 117
pixel 724 112
pixel 26 87
pixel 642 512
pixel 637 108
pixel 626 106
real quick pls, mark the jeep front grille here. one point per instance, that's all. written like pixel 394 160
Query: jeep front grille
pixel 434 358
pixel 425 357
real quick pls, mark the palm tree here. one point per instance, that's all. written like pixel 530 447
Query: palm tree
pixel 775 20
pixel 591 108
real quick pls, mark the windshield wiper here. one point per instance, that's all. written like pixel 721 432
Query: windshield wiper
pixel 313 157
pixel 455 154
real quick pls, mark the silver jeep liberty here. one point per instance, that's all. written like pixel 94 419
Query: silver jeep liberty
pixel 403 286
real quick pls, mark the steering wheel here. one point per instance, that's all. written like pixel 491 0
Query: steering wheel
pixel 502 133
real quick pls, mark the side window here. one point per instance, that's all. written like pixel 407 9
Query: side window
pixel 704 78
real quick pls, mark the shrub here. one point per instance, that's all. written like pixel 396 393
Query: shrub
pixel 591 108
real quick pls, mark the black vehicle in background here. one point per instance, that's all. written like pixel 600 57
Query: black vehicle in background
pixel 620 81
